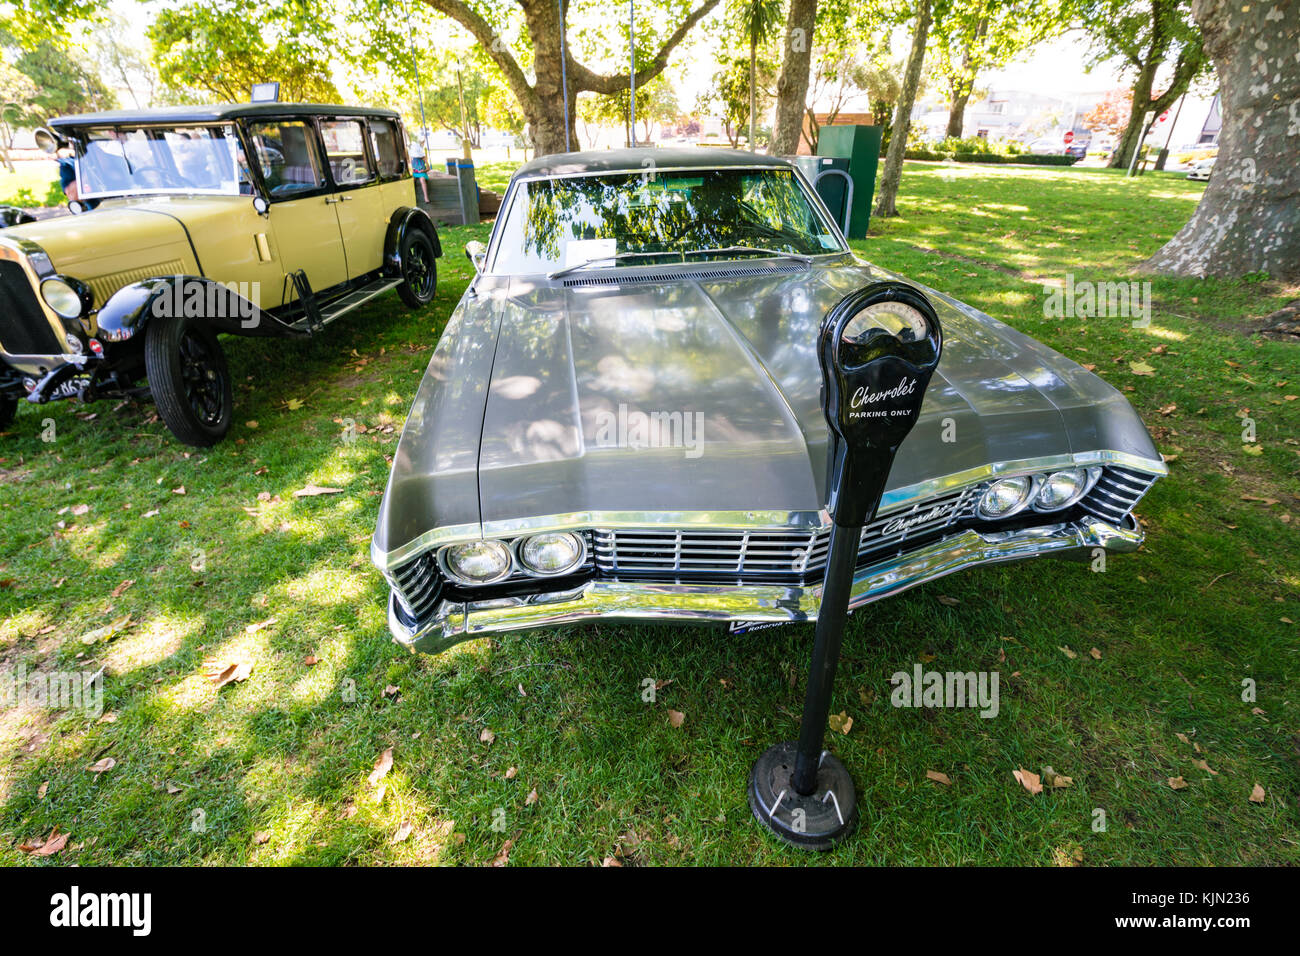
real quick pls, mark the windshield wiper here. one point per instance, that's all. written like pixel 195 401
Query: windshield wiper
pixel 757 250
pixel 611 258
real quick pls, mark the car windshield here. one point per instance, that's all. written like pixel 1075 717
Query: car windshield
pixel 634 219
pixel 123 160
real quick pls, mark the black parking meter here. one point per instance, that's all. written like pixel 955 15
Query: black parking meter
pixel 878 348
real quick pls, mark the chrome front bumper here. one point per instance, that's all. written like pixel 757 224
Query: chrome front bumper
pixel 761 603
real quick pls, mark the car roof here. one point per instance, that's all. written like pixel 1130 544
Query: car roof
pixel 216 112
pixel 622 160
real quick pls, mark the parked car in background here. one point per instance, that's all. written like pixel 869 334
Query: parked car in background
pixel 266 219
pixel 1201 170
pixel 623 418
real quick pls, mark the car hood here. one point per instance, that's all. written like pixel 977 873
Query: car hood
pixel 704 395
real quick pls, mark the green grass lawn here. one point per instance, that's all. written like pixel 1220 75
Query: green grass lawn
pixel 30 184
pixel 540 747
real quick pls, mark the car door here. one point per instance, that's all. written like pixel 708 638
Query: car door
pixel 358 201
pixel 304 227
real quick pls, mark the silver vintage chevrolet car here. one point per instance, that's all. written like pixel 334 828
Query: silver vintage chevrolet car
pixel 623 418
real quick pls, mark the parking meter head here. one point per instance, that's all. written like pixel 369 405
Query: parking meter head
pixel 878 348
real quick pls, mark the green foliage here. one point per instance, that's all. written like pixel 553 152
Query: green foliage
pixel 979 35
pixel 59 81
pixel 728 96
pixel 221 48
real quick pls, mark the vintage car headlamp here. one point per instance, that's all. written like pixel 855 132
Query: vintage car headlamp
pixel 1006 496
pixel 68 298
pixel 551 553
pixel 476 562
pixel 1061 489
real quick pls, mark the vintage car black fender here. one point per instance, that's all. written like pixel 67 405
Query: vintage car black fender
pixel 402 221
pixel 125 315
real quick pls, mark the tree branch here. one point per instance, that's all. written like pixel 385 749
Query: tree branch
pixel 491 42
pixel 582 78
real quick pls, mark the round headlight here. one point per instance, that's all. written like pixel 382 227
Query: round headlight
pixel 551 553
pixel 476 562
pixel 1006 496
pixel 1061 489
pixel 60 296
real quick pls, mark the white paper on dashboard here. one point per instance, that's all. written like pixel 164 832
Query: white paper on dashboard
pixel 578 251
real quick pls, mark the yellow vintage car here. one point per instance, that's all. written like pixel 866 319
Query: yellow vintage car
pixel 265 219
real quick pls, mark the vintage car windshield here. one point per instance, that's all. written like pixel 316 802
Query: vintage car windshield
pixel 124 160
pixel 657 216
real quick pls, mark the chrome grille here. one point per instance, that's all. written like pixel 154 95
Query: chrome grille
pixel 417 585
pixel 745 553
pixel 1116 493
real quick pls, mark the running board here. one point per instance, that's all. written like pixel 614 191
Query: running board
pixel 346 303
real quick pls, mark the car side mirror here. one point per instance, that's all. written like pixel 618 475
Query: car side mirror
pixel 77 207
pixel 46 141
pixel 261 206
pixel 476 253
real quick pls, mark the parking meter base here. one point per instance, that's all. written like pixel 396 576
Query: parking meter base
pixel 817 821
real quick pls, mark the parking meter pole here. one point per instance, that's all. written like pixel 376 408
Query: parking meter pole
pixel 826 654
pixel 878 348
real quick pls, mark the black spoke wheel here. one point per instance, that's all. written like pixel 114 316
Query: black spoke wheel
pixel 419 269
pixel 189 379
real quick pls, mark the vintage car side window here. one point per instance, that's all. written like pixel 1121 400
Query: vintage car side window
pixel 345 145
pixel 287 154
pixel 383 137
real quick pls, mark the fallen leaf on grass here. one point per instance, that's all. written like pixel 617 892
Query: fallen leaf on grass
pixel 121 588
pixel 235 673
pixel 261 625
pixel 392 690
pixel 510 774
pixel 1141 368
pixel 841 723
pixel 1030 781
pixel 312 491
pixel 382 765
pixel 80 509
pixel 1067 652
pixel 108 630
pixel 486 736
pixel 51 845
pixel 1257 794
pixel 311 660
pixel 1056 780
pixel 1206 767
pixel 676 718
pixel 610 861
pixel 531 798
pixel 43 790
pixel 503 857
pixel 261 836
pixel 402 833
pixel 1177 783
pixel 179 491
pixel 948 600
pixel 938 777
pixel 294 404
pixel 101 766
pixel 1095 654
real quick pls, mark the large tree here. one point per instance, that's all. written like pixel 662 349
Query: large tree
pixel 543 100
pixel 792 84
pixel 755 20
pixel 1145 36
pixel 887 193
pixel 1248 219
pixel 220 48
pixel 978 35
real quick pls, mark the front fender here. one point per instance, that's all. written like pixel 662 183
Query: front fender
pixel 130 309
pixel 402 221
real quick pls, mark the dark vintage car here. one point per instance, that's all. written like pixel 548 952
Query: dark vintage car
pixel 623 418
pixel 267 219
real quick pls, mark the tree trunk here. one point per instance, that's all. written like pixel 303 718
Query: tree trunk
pixel 957 113
pixel 1248 219
pixel 1136 128
pixel 792 85
pixel 888 191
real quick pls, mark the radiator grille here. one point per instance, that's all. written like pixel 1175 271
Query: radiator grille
pixel 747 554
pixel 1116 493
pixel 417 586
pixel 24 329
